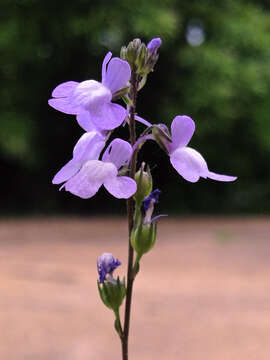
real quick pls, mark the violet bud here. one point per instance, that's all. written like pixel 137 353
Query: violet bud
pixel 154 45
pixel 112 291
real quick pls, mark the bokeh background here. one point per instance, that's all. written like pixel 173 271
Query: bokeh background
pixel 214 66
pixel 203 292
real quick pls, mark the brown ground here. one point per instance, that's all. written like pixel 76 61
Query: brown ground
pixel 203 293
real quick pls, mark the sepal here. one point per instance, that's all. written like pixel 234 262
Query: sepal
pixel 112 293
pixel 143 238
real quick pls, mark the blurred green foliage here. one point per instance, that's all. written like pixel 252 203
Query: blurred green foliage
pixel 214 66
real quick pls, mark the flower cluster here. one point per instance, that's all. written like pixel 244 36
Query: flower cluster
pixel 92 103
pixel 98 161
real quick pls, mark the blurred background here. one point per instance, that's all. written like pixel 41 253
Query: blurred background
pixel 214 66
pixel 204 290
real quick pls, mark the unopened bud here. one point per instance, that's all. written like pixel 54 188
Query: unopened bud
pixel 144 184
pixel 132 52
pixel 112 291
pixel 123 53
pixel 154 45
pixel 141 59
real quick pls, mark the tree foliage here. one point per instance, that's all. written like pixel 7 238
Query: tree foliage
pixel 214 66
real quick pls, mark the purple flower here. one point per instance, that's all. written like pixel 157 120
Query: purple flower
pixel 87 148
pixel 89 174
pixel 151 199
pixel 90 100
pixel 154 45
pixel 188 162
pixel 148 205
pixel 106 264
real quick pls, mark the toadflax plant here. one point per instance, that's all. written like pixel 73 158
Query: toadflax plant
pixel 94 163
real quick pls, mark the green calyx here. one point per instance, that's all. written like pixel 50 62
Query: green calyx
pixel 112 293
pixel 143 238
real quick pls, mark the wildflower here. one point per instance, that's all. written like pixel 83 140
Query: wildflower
pixel 144 232
pixel 87 148
pixel 112 291
pixel 188 162
pixel 106 264
pixel 93 173
pixel 90 100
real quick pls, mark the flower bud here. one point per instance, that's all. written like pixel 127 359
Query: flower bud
pixel 162 136
pixel 144 184
pixel 154 45
pixel 112 291
pixel 141 59
pixel 132 52
pixel 152 54
pixel 123 53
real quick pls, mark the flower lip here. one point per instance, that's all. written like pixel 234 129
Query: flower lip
pixel 91 95
pixel 188 162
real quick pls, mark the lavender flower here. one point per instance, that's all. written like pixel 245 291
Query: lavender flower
pixel 188 162
pixel 106 264
pixel 148 205
pixel 154 45
pixel 151 199
pixel 90 100
pixel 87 148
pixel 89 174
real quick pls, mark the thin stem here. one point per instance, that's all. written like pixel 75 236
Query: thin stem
pixel 118 326
pixel 130 216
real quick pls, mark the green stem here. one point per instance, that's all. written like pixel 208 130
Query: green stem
pixel 130 216
pixel 118 325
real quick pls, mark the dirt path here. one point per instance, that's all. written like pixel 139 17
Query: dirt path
pixel 203 294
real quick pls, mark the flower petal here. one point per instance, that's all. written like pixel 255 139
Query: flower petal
pixel 65 89
pixel 189 163
pixel 84 120
pixel 90 178
pixel 182 130
pixel 117 75
pixel 88 147
pixel 104 64
pixel 121 187
pixel 64 105
pixel 118 152
pixel 67 171
pixel 220 177
pixel 143 121
pixel 109 117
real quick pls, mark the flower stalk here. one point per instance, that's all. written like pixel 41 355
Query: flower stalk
pixel 130 216
pixel 94 164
